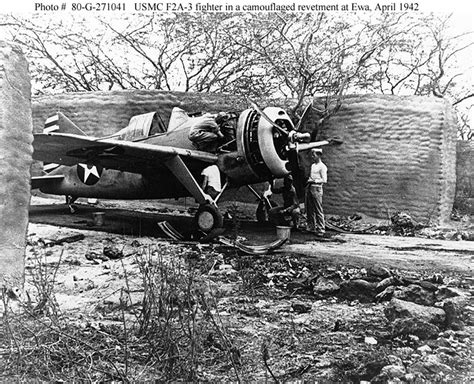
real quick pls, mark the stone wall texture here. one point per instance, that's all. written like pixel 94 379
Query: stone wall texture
pixel 464 200
pixel 399 153
pixel 15 161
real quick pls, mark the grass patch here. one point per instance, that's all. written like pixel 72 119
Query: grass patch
pixel 172 335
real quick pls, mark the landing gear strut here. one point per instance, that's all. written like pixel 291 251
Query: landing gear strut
pixel 70 203
pixel 264 205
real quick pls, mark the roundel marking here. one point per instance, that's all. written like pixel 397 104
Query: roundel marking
pixel 89 174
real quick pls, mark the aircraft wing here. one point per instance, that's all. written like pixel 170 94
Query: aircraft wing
pixel 137 157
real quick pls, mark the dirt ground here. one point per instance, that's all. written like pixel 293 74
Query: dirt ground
pixel 313 310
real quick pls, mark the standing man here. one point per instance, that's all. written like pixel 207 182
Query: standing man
pixel 314 194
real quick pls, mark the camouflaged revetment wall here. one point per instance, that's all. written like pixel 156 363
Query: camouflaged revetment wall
pixel 15 161
pixel 399 153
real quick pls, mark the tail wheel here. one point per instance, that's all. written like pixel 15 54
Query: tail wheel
pixel 208 218
pixel 70 203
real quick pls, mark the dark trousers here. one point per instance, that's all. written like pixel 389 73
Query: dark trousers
pixel 314 208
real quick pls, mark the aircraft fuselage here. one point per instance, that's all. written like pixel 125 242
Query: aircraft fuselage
pixel 255 156
pixel 113 184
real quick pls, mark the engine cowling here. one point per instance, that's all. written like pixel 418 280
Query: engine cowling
pixel 261 153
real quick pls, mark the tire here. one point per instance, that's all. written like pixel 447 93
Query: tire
pixel 208 218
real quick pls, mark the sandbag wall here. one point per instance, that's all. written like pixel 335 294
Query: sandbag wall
pixel 15 161
pixel 103 113
pixel 464 200
pixel 399 154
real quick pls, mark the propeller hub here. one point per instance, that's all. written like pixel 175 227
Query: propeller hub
pixel 299 137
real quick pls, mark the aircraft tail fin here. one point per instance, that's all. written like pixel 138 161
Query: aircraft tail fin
pixel 59 123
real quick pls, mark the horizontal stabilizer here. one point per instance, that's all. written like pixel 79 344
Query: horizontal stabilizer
pixel 59 123
pixel 42 181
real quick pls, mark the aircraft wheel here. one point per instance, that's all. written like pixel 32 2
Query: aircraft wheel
pixel 208 218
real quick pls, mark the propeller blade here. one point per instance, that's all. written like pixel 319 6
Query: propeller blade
pixel 264 115
pixel 304 117
pixel 314 144
pixel 296 172
pixel 317 144
pixel 336 141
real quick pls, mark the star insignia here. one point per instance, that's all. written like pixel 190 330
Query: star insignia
pixel 89 174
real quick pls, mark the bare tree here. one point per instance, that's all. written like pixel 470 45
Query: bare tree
pixel 266 55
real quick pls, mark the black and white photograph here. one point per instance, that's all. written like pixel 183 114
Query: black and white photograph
pixel 240 191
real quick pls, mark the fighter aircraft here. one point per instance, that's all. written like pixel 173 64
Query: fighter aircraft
pixel 147 160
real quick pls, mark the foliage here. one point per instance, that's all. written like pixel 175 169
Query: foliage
pixel 170 335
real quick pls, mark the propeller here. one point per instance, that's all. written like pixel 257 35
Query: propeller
pixel 316 144
pixel 294 148
pixel 304 117
pixel 265 116
pixel 299 178
pixel 297 142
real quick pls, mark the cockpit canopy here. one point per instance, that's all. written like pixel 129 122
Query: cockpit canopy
pixel 149 124
pixel 142 126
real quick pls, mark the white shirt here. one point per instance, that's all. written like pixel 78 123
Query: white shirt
pixel 318 173
pixel 213 177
